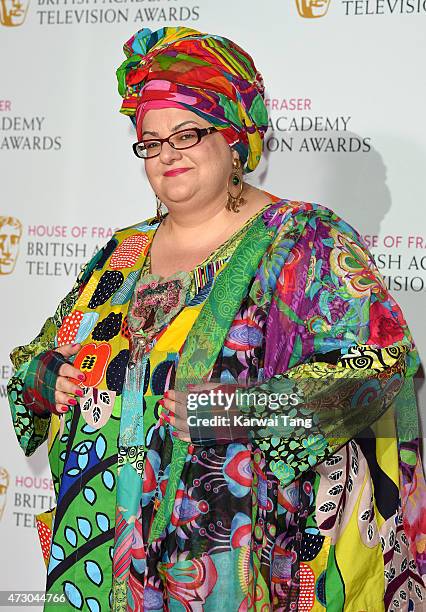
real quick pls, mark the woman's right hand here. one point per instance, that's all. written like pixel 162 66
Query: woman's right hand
pixel 66 389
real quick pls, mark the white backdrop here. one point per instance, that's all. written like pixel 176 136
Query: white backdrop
pixel 346 94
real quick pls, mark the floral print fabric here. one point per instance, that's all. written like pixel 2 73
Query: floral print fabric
pixel 261 525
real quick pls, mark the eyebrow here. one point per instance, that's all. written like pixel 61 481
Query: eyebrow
pixel 175 129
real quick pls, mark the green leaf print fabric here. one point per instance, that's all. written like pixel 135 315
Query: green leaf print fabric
pixel 145 521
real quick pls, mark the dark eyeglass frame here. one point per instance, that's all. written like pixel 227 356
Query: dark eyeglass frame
pixel 201 132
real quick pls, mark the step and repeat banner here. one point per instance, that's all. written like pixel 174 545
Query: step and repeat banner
pixel 345 90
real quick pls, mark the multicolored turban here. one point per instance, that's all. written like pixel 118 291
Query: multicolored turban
pixel 206 74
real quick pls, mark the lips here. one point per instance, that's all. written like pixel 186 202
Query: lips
pixel 176 171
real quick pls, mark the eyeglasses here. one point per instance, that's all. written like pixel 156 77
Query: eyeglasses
pixel 184 139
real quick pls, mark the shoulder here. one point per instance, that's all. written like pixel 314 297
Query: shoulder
pixel 125 245
pixel 311 238
pixel 318 222
pixel 132 238
pixel 284 210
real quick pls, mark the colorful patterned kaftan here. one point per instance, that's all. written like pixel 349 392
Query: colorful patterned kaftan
pixel 145 521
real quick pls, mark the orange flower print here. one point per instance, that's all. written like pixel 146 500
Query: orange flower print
pixel 92 361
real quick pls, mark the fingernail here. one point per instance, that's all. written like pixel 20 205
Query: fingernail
pixel 161 402
pixel 75 344
pixel 166 393
pixel 166 417
pixel 174 433
pixel 72 401
pixel 82 377
pixel 79 392
pixel 65 409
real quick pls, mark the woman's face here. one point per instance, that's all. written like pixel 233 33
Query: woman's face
pixel 207 164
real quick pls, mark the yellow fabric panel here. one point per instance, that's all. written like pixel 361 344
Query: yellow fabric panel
pixel 178 330
pixel 386 452
pixel 87 293
pixel 53 430
pixel 173 337
pixel 361 567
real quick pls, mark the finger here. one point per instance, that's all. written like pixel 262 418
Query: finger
pixel 181 436
pixel 168 404
pixel 68 350
pixel 167 415
pixel 178 396
pixel 175 414
pixel 180 422
pixel 166 418
pixel 61 409
pixel 177 421
pixel 70 371
pixel 181 397
pixel 65 385
pixel 64 399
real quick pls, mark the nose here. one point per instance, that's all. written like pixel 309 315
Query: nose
pixel 168 154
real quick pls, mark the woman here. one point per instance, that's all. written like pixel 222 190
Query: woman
pixel 232 289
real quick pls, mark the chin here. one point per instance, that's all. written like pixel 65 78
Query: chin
pixel 176 195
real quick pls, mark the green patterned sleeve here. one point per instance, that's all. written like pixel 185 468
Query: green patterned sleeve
pixel 31 429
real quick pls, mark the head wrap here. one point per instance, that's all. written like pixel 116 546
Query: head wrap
pixel 206 74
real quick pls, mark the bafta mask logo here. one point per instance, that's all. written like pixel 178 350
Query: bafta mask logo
pixel 312 8
pixel 4 485
pixel 10 237
pixel 13 12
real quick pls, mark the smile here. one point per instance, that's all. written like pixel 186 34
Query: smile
pixel 176 171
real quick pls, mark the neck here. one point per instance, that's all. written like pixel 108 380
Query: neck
pixel 196 221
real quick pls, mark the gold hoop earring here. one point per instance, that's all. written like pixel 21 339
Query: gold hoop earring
pixel 160 215
pixel 236 183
